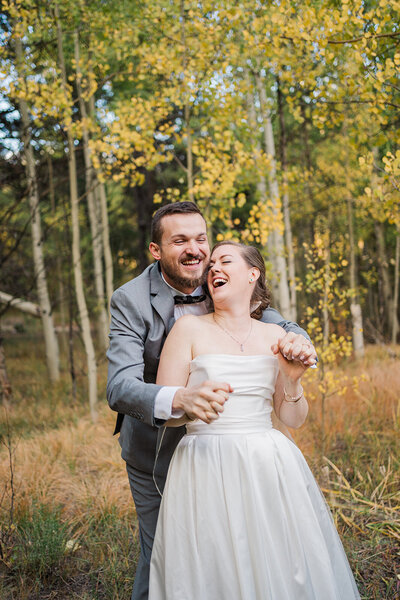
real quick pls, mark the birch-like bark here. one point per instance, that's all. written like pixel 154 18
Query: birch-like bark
pixel 5 384
pixel 383 265
pixel 395 325
pixel 355 307
pixel 101 314
pixel 100 192
pixel 23 305
pixel 189 151
pixel 76 253
pixel 51 342
pixel 262 192
pixel 327 281
pixel 105 234
pixel 384 273
pixel 284 297
pixel 61 291
pixel 325 310
pixel 286 211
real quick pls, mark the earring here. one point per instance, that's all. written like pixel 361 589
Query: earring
pixel 251 280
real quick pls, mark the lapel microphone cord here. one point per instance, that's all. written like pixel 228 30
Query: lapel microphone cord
pixel 155 461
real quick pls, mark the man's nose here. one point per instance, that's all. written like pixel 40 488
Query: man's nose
pixel 192 247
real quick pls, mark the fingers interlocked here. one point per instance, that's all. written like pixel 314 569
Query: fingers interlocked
pixel 206 401
pixel 296 347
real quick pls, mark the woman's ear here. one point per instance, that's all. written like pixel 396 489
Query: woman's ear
pixel 254 274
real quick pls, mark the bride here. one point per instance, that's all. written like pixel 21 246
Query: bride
pixel 242 517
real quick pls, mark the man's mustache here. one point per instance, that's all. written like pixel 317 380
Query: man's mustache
pixel 192 256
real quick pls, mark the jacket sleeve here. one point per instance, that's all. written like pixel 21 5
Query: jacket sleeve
pixel 270 315
pixel 126 391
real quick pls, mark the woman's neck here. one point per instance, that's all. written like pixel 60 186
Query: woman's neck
pixel 235 317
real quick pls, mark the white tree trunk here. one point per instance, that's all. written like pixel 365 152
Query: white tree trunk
pixel 355 307
pixel 51 342
pixel 100 192
pixel 385 276
pixel 105 232
pixel 5 384
pixel 395 325
pixel 61 292
pixel 23 305
pixel 289 245
pixel 286 211
pixel 101 314
pixel 76 254
pixel 327 277
pixel 263 194
pixel 284 296
pixel 381 255
pixel 186 93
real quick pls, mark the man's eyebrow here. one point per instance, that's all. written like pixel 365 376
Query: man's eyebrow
pixel 184 235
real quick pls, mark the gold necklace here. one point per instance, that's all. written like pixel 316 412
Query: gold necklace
pixel 241 344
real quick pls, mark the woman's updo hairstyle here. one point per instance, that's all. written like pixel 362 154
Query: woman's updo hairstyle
pixel 261 297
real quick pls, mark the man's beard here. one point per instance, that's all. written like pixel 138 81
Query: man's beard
pixel 184 282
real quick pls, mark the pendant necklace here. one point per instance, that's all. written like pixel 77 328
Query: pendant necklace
pixel 241 344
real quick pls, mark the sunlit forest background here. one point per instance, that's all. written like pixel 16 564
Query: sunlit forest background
pixel 281 120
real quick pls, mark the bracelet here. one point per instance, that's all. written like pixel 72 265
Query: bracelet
pixel 293 399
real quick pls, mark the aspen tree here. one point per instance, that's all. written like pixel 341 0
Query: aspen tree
pixel 76 253
pixel 90 181
pixel 51 342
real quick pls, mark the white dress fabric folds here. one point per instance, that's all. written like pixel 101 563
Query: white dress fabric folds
pixel 242 517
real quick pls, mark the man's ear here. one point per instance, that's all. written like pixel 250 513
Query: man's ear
pixel 155 250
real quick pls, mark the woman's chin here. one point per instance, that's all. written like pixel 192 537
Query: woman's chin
pixel 219 296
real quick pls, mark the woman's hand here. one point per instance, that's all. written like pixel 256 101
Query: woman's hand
pixel 295 354
pixel 292 370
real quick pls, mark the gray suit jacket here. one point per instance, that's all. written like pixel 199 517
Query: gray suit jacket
pixel 142 314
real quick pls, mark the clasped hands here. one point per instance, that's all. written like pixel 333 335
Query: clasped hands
pixel 206 401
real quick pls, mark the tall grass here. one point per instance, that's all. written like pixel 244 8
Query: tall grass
pixel 74 529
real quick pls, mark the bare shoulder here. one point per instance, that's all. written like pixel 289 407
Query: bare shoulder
pixel 273 331
pixel 187 323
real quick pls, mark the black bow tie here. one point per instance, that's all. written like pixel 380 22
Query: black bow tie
pixel 189 299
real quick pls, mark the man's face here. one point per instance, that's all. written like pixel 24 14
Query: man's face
pixel 183 251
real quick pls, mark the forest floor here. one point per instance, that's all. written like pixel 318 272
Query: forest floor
pixel 67 523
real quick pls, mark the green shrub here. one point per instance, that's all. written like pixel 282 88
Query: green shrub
pixel 41 542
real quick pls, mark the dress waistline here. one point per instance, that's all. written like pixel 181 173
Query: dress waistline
pixel 229 427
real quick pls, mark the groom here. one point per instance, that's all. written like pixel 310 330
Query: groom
pixel 143 311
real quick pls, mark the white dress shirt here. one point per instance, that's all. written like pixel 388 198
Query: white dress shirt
pixel 164 398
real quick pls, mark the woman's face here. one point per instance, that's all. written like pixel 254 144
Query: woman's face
pixel 229 275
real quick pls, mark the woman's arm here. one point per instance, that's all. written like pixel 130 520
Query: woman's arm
pixel 173 368
pixel 290 405
pixel 204 401
pixel 289 410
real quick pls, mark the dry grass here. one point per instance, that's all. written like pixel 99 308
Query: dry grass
pixel 62 459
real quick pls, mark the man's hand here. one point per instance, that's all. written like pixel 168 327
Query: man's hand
pixel 204 401
pixel 294 346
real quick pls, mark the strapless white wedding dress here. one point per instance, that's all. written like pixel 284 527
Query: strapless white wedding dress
pixel 242 517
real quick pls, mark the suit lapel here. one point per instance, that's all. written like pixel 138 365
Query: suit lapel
pixel 161 298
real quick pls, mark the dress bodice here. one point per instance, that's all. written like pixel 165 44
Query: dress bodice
pixel 249 406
